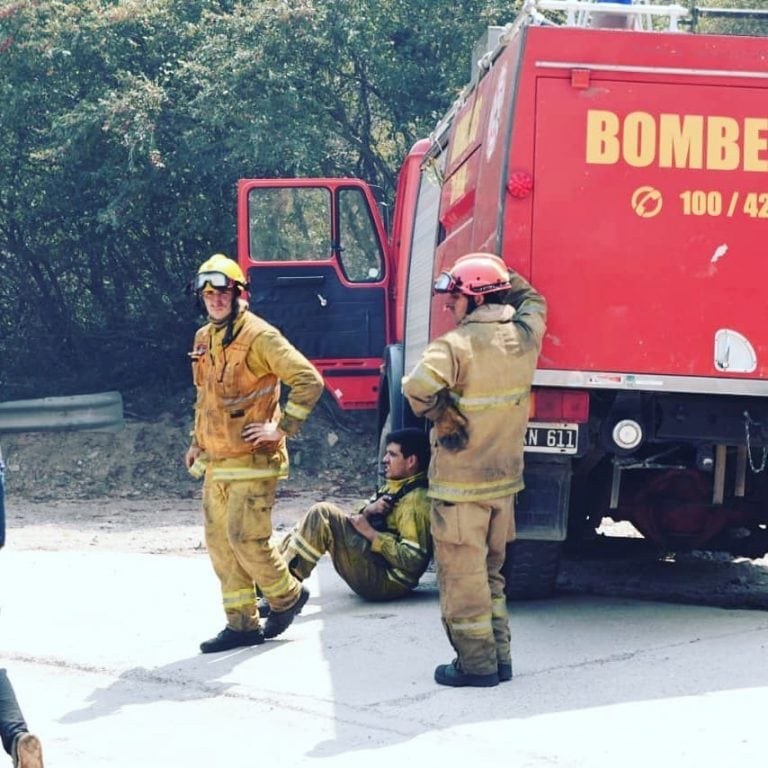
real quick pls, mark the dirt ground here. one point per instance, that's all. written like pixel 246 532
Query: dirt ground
pixel 129 492
pixel 335 452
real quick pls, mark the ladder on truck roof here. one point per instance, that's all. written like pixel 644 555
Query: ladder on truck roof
pixel 634 14
pixel 618 14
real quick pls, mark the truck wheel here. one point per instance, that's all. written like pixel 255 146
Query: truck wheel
pixel 530 570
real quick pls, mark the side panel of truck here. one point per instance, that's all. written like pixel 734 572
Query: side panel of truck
pixel 662 254
pixel 650 203
pixel 475 161
pixel 631 195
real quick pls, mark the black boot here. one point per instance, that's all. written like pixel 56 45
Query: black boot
pixel 452 674
pixel 278 621
pixel 228 639
pixel 505 671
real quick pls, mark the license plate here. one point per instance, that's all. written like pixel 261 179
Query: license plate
pixel 551 438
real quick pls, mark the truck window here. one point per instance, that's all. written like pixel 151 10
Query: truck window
pixel 295 224
pixel 359 250
pixel 289 224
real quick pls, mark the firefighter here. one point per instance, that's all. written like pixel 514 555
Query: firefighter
pixel 239 442
pixel 473 383
pixel 382 550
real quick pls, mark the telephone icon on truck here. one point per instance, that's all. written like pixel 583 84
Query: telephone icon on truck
pixel 647 202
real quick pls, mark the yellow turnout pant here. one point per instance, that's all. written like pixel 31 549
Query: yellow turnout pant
pixel 470 545
pixel 326 528
pixel 238 526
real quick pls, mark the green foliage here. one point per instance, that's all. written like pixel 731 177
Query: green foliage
pixel 721 24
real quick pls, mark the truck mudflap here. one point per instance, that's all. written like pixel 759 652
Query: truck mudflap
pixel 530 569
pixel 541 516
pixel 541 510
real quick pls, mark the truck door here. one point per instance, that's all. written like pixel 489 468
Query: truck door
pixel 314 253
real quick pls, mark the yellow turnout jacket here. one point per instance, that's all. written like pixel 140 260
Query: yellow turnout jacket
pixel 486 366
pixel 239 384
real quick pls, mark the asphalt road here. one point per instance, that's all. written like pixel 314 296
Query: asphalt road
pixel 102 648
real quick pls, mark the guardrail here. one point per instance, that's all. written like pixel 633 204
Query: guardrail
pixel 100 412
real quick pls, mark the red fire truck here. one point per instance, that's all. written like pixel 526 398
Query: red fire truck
pixel 619 161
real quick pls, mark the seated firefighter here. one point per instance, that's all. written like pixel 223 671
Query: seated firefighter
pixel 382 550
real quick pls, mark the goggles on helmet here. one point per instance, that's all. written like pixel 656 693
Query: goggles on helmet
pixel 448 283
pixel 445 283
pixel 217 280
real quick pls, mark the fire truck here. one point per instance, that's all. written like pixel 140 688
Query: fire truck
pixel 617 157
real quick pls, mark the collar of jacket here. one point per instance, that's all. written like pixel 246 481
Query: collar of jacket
pixel 392 486
pixel 490 313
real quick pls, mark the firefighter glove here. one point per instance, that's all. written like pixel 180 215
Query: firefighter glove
pixel 451 428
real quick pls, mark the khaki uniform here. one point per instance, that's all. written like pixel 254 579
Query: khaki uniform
pixel 486 366
pixel 386 569
pixel 236 385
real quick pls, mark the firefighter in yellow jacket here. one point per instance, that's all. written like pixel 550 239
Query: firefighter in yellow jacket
pixel 239 441
pixel 473 383
pixel 381 551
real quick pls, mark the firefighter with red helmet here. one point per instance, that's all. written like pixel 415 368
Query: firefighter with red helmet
pixel 474 383
pixel 239 444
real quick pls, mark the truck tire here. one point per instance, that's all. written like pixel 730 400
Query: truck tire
pixel 530 569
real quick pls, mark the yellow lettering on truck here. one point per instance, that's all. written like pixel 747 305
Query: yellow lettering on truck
pixel 756 144
pixel 603 146
pixel 641 139
pixel 722 144
pixel 681 141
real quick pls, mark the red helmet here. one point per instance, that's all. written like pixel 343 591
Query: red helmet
pixel 473 275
